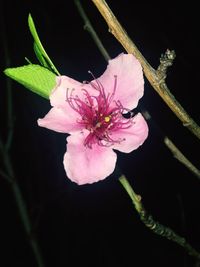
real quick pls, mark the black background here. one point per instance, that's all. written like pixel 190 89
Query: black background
pixel 96 225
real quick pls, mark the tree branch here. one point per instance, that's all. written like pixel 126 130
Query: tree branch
pixel 174 149
pixel 153 225
pixel 166 60
pixel 156 227
pixel 180 157
pixel 152 75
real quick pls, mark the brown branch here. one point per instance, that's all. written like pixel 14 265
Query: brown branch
pixel 151 74
pixel 166 60
pixel 180 157
pixel 173 148
pixel 153 225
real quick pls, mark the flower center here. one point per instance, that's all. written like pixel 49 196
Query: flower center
pixel 101 115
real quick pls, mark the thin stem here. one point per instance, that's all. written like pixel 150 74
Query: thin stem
pixel 180 157
pixel 153 225
pixel 152 75
pixel 89 28
pixel 26 222
pixel 176 152
pixel 5 176
pixel 10 120
pixel 166 60
pixel 136 199
pixel 8 174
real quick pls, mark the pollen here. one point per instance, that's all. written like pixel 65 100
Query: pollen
pixel 107 118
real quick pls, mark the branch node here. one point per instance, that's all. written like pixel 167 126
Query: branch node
pixel 166 60
pixel 186 124
pixel 155 77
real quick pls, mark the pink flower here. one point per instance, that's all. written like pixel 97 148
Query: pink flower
pixel 92 113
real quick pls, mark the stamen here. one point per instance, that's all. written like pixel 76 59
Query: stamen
pixel 100 114
pixel 107 118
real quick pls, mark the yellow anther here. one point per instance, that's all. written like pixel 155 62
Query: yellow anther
pixel 107 118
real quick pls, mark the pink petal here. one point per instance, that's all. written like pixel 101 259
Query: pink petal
pixel 130 81
pixel 134 136
pixel 58 96
pixel 59 120
pixel 84 165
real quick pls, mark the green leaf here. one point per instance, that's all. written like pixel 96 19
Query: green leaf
pixel 40 56
pixel 34 77
pixel 40 52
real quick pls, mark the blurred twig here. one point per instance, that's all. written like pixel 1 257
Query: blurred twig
pixel 166 61
pixel 9 175
pixel 8 172
pixel 155 77
pixel 90 29
pixel 5 176
pixel 153 225
pixel 180 157
pixel 9 106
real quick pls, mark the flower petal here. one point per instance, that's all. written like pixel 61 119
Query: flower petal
pixel 130 81
pixel 134 136
pixel 59 120
pixel 87 165
pixel 59 94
